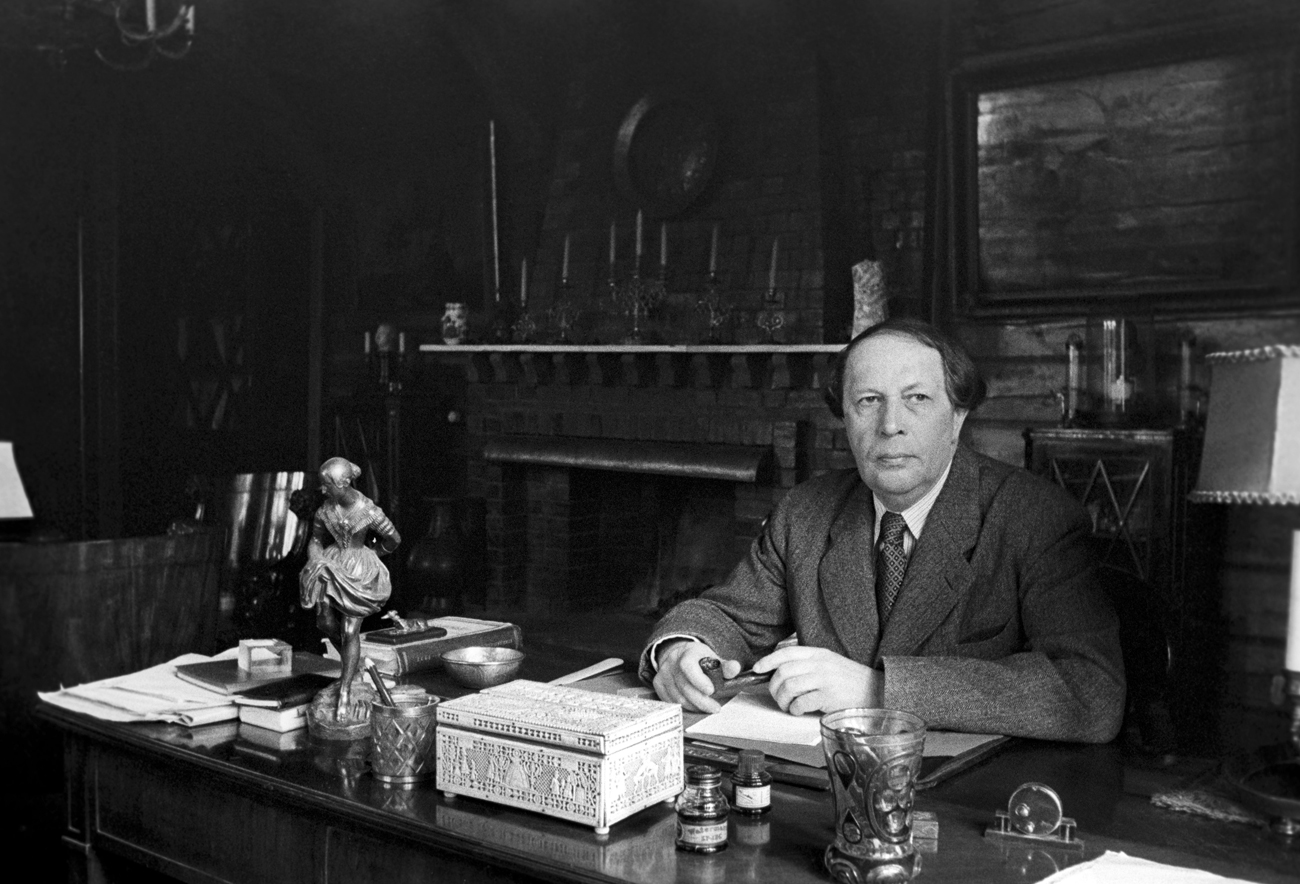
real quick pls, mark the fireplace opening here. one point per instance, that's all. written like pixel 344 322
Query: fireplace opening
pixel 654 540
pixel 599 539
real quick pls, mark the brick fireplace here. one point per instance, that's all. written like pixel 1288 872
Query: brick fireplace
pixel 624 477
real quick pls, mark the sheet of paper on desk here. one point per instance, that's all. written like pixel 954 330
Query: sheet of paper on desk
pixel 798 737
pixel 153 694
pixel 1120 868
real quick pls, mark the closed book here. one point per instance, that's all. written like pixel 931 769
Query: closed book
pixel 295 690
pixel 226 676
pixel 422 654
pixel 287 718
pixel 269 745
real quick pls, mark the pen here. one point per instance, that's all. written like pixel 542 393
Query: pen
pixel 382 688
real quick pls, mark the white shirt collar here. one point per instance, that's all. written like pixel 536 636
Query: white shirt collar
pixel 916 514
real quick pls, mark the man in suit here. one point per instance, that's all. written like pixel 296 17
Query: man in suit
pixel 978 609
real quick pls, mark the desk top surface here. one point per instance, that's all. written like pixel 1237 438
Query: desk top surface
pixel 1107 794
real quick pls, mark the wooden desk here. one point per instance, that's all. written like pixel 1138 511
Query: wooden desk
pixel 187 803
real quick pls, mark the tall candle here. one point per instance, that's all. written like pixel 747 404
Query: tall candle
pixel 1073 347
pixel 523 283
pixel 564 264
pixel 663 244
pixel 1293 616
pixel 496 238
pixel 638 237
pixel 771 267
pixel 367 343
pixel 1185 376
pixel 713 251
pixel 612 240
pixel 401 342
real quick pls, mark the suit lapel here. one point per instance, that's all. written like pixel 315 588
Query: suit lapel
pixel 847 576
pixel 939 571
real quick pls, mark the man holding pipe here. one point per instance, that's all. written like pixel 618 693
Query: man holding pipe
pixel 931 578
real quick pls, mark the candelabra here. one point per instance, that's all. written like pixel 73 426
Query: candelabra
pixel 524 328
pixel 714 307
pixel 637 297
pixel 771 317
pixel 564 313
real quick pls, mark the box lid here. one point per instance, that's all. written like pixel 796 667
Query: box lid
pixel 562 716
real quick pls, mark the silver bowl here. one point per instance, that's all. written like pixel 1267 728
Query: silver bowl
pixel 479 667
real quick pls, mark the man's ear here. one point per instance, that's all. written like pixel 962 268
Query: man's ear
pixel 959 420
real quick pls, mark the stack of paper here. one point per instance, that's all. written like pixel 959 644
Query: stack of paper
pixel 799 737
pixel 153 694
pixel 1113 867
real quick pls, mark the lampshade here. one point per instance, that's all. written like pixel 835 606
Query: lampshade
pixel 1252 434
pixel 13 499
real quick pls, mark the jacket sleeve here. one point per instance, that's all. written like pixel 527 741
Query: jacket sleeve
pixel 1064 677
pixel 746 615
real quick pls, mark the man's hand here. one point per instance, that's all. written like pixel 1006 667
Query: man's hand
pixel 817 680
pixel 680 678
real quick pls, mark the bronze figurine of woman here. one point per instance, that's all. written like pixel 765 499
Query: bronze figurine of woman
pixel 345 581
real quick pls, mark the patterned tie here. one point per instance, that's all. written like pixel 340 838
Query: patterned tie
pixel 891 563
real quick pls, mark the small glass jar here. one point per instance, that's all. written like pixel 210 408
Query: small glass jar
pixel 702 811
pixel 751 784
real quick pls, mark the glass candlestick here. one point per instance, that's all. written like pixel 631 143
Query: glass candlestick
pixel 714 308
pixel 771 317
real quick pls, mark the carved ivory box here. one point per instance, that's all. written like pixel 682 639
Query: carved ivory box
pixel 578 755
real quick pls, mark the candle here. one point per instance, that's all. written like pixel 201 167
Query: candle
pixel 564 264
pixel 1072 348
pixel 367 343
pixel 1185 376
pixel 771 267
pixel 496 238
pixel 401 343
pixel 713 251
pixel 1293 616
pixel 663 244
pixel 638 237
pixel 612 239
pixel 523 283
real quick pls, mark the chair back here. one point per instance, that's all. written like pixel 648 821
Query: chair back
pixel 1148 658
pixel 255 508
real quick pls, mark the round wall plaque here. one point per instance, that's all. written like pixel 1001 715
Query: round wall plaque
pixel 664 155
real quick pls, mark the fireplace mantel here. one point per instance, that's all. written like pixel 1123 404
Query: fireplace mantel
pixel 726 349
pixel 744 366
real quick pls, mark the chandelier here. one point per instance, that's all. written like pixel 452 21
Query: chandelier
pixel 141 37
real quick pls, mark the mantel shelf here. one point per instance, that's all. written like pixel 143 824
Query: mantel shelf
pixel 729 349
pixel 746 366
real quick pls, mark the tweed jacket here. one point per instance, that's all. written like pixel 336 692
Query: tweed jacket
pixel 1000 625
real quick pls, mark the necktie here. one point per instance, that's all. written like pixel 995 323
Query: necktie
pixel 891 563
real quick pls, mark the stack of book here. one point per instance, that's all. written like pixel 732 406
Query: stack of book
pixel 399 652
pixel 273 700
pixel 281 705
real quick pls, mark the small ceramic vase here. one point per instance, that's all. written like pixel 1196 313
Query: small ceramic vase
pixel 455 323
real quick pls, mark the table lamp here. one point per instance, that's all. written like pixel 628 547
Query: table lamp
pixel 1252 456
pixel 13 499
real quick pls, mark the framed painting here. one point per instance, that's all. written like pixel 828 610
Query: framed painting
pixel 1157 177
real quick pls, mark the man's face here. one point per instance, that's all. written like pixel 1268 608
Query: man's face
pixel 902 427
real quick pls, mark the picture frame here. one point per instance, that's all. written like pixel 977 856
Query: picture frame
pixel 1153 175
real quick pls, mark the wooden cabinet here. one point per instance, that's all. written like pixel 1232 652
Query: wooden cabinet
pixel 1134 484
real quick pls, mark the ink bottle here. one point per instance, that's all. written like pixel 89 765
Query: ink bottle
pixel 702 811
pixel 751 784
